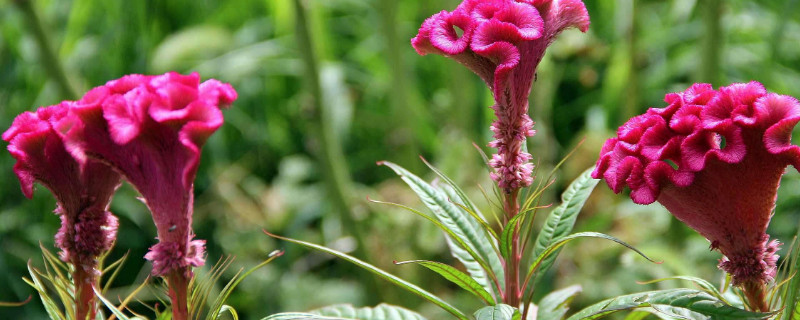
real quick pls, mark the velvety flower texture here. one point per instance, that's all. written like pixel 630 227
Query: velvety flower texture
pixel 714 159
pixel 503 41
pixel 151 129
pixel 83 192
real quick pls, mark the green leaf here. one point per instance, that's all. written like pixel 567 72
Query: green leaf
pixel 299 316
pixel 348 312
pixel 383 274
pixel 561 242
pixel 508 233
pixel 562 219
pixel 455 276
pixel 704 284
pixel 555 304
pixel 463 226
pixel 498 312
pixel 380 312
pixel 219 302
pixel 118 313
pixel 689 299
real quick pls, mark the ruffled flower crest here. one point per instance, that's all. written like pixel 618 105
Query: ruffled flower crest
pixel 714 159
pixel 83 191
pixel 503 41
pixel 151 129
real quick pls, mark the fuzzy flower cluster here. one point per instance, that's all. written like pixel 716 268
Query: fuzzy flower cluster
pixel 151 129
pixel 714 159
pixel 503 41
pixel 82 190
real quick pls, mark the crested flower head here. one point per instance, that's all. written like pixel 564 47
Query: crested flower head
pixel 83 191
pixel 151 129
pixel 503 41
pixel 714 159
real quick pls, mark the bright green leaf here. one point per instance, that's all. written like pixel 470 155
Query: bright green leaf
pixel 498 312
pixel 383 274
pixel 555 304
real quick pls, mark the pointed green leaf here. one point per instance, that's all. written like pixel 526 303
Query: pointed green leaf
pixel 562 219
pixel 300 316
pixel 555 304
pixel 498 312
pixel 689 299
pixel 348 312
pixel 383 274
pixel 704 284
pixel 455 276
pixel 508 233
pixel 120 315
pixel 561 242
pixel 380 312
pixel 463 225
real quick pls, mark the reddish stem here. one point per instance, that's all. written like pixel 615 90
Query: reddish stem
pixel 756 294
pixel 178 281
pixel 512 296
pixel 85 306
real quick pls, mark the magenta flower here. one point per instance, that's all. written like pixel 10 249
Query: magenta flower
pixel 503 41
pixel 714 159
pixel 151 129
pixel 82 191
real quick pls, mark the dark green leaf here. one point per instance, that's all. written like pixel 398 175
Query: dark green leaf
pixel 562 219
pixel 462 225
pixel 455 276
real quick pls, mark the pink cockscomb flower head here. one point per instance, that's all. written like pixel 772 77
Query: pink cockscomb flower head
pixel 82 191
pixel 503 41
pixel 151 129
pixel 714 159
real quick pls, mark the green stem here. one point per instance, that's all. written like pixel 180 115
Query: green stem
pixel 336 174
pixel 712 43
pixel 50 62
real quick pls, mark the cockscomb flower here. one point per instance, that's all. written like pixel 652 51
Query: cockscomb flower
pixel 503 41
pixel 714 159
pixel 82 191
pixel 151 129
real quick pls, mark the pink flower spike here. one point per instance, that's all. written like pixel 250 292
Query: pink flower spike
pixel 503 41
pixel 151 129
pixel 716 167
pixel 83 191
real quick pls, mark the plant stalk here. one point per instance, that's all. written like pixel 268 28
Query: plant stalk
pixel 336 175
pixel 178 283
pixel 85 302
pixel 756 294
pixel 47 55
pixel 512 296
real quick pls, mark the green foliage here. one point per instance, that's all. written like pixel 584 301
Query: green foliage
pixel 672 302
pixel 348 312
pixel 498 312
pixel 555 304
pixel 383 274
pixel 465 229
pixel 562 219
pixel 455 276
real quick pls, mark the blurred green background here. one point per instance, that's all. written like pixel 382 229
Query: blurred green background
pixel 298 168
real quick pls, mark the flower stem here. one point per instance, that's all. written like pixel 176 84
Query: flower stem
pixel 50 62
pixel 178 286
pixel 512 296
pixel 85 306
pixel 756 294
